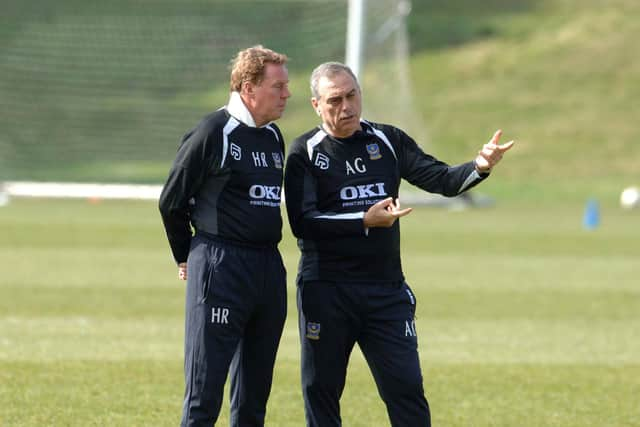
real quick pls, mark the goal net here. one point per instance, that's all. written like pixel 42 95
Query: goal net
pixel 101 92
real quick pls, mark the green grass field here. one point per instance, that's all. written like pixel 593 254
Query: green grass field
pixel 524 318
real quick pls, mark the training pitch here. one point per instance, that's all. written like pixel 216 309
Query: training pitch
pixel 524 318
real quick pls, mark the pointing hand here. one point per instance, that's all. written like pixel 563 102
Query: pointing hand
pixel 384 213
pixel 491 153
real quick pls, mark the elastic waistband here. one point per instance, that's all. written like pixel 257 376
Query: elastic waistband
pixel 395 284
pixel 247 245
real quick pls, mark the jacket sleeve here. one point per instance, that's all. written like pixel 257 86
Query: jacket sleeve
pixel 189 170
pixel 433 175
pixel 307 221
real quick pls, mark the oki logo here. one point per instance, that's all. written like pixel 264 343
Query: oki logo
pixel 268 192
pixel 367 191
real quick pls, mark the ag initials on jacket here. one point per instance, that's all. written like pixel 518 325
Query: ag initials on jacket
pixel 358 166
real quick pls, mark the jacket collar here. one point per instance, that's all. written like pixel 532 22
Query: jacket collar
pixel 237 109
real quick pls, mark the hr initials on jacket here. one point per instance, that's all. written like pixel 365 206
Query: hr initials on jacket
pixel 259 159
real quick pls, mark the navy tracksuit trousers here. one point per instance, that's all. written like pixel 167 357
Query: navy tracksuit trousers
pixel 380 318
pixel 235 312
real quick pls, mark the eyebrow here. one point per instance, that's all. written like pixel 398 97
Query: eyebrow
pixel 279 82
pixel 334 97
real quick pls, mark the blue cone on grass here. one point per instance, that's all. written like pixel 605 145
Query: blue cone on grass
pixel 591 218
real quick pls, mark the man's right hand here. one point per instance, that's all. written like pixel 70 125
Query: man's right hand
pixel 182 271
pixel 384 213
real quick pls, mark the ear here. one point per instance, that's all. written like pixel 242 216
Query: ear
pixel 314 104
pixel 247 88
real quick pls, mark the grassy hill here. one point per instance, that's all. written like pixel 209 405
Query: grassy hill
pixel 104 91
pixel 557 76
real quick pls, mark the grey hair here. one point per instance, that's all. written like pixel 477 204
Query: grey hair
pixel 329 69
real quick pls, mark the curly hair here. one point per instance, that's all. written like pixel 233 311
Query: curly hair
pixel 249 64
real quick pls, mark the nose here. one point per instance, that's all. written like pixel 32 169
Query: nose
pixel 286 93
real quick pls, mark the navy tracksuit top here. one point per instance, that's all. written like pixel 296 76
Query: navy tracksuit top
pixel 331 182
pixel 226 181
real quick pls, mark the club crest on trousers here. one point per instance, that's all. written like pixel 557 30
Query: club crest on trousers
pixel 313 331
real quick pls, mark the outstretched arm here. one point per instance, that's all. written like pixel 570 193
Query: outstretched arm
pixel 435 176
